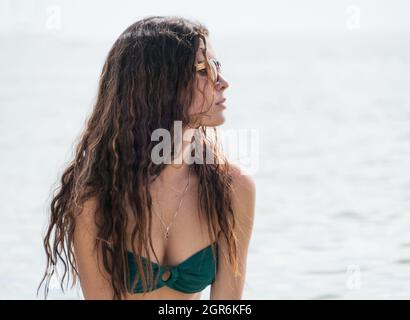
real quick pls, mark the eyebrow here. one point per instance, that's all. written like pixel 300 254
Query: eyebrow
pixel 209 58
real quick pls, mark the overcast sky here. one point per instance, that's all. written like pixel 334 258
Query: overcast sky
pixel 102 18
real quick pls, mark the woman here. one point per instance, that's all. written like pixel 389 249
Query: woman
pixel 128 226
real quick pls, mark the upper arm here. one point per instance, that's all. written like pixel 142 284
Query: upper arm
pixel 95 282
pixel 226 285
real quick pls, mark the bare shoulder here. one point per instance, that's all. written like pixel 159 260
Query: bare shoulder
pixel 243 185
pixel 85 230
pixel 87 210
pixel 86 215
pixel 243 196
pixel 228 285
pixel 95 281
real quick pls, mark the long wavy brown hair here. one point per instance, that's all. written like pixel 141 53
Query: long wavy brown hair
pixel 147 82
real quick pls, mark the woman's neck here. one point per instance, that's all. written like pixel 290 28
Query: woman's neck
pixel 176 172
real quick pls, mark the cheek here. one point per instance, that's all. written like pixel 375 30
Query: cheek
pixel 203 100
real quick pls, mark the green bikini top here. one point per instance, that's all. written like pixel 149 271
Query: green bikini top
pixel 192 275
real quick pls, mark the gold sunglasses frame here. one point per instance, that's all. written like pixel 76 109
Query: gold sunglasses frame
pixel 215 68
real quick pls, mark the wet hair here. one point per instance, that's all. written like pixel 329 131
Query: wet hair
pixel 147 82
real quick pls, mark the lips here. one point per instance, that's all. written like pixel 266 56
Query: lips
pixel 222 101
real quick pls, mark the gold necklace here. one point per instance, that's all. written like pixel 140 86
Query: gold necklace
pixel 176 212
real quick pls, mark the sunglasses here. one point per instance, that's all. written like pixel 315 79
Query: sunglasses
pixel 215 68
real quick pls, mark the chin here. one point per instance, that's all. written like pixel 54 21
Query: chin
pixel 217 121
pixel 222 121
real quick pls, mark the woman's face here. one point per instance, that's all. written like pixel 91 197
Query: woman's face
pixel 207 97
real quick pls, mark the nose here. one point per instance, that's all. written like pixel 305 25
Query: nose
pixel 222 83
